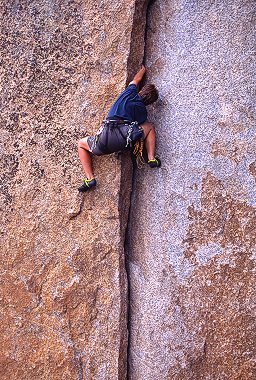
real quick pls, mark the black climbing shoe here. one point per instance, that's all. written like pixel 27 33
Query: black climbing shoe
pixel 155 163
pixel 87 184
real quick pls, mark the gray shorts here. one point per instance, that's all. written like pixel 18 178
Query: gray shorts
pixel 92 142
pixel 114 136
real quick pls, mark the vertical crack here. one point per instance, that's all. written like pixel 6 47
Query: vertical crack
pixel 135 59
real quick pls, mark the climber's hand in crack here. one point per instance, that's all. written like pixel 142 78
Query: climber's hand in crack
pixel 127 117
pixel 138 76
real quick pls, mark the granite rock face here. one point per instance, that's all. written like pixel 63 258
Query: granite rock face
pixel 192 237
pixel 193 222
pixel 63 280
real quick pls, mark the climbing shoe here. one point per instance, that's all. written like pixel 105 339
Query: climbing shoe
pixel 87 184
pixel 155 163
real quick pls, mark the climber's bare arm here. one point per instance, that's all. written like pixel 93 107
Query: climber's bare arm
pixel 138 77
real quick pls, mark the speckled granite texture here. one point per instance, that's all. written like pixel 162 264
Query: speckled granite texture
pixel 192 237
pixel 193 222
pixel 63 282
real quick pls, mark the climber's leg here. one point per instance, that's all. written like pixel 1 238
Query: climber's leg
pixel 85 158
pixel 150 142
pixel 149 138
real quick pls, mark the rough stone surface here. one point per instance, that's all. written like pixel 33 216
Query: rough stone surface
pixel 63 282
pixel 192 236
pixel 192 240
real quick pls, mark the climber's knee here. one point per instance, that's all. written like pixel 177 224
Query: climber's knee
pixel 147 127
pixel 82 143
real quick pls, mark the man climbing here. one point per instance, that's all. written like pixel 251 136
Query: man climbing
pixel 126 123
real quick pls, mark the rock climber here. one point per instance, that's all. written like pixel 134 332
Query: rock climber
pixel 126 122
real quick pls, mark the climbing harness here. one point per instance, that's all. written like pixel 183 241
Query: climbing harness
pixel 134 133
pixel 116 135
pixel 128 138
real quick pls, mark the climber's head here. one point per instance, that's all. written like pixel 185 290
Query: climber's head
pixel 149 94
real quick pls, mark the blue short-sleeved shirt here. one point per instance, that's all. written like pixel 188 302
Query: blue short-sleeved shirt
pixel 129 106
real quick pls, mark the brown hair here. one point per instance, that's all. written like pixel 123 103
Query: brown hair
pixel 149 94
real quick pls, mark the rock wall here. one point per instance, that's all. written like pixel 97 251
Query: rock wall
pixel 191 235
pixel 192 224
pixel 63 279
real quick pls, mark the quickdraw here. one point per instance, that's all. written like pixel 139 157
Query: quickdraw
pixel 129 132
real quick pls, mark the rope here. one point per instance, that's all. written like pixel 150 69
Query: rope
pixel 138 153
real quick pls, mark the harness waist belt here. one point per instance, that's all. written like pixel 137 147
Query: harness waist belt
pixel 117 121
